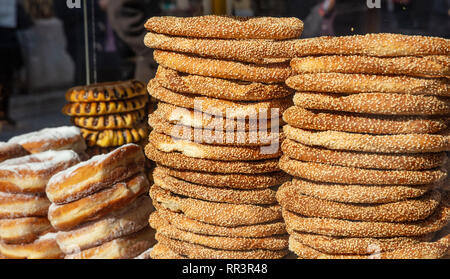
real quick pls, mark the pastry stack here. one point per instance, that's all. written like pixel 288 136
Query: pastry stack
pixel 109 114
pixel 366 143
pixel 25 232
pixel 220 84
pixel 100 207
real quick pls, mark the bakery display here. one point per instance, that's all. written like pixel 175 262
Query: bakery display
pixel 366 145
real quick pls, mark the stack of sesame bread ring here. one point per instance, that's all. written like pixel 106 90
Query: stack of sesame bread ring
pixel 215 139
pixel 25 231
pixel 366 145
pixel 100 207
pixel 109 114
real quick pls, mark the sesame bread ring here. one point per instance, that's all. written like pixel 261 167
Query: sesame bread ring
pixel 96 174
pixel 356 245
pixel 126 221
pixel 214 194
pixel 189 118
pixel 127 247
pixel 213 106
pixel 219 137
pixel 359 194
pixel 103 108
pixel 110 122
pixel 183 162
pixel 161 252
pixel 425 66
pixel 184 223
pixel 388 161
pixel 372 124
pixel 212 152
pixel 106 92
pixel 30 174
pixel 251 51
pixel 382 45
pixel 401 211
pixel 23 230
pixel 234 181
pixel 67 216
pixel 226 69
pixel 220 214
pixel 21 205
pixel 375 103
pixel 45 247
pixel 227 27
pixel 272 243
pixel 195 251
pixel 358 83
pixel 115 138
pixel 346 228
pixel 410 143
pixel 349 175
pixel 11 151
pixel 220 88
pixel 61 138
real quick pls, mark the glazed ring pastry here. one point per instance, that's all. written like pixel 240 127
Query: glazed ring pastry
pixel 103 108
pixel 109 138
pixel 105 92
pixel 108 122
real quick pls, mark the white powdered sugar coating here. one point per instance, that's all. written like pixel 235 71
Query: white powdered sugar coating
pixel 47 236
pixel 39 162
pixel 48 134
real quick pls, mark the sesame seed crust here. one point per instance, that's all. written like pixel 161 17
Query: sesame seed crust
pixel 426 66
pixel 261 73
pixel 388 161
pixel 409 143
pixel 227 27
pixel 220 214
pixel 349 175
pixel 214 194
pixel 220 88
pixel 251 51
pixel 190 225
pixel 382 45
pixel 372 124
pixel 229 109
pixel 161 252
pixel 359 83
pixel 375 103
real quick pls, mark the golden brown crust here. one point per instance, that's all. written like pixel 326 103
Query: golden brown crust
pixel 358 83
pixel 220 88
pixel 382 45
pixel 357 194
pixel 234 181
pixel 214 194
pixel 182 162
pixel 375 103
pixel 220 214
pixel 22 205
pixel 227 27
pixel 401 211
pixel 11 151
pixel 262 73
pixel 161 252
pixel 426 66
pixel 388 161
pixel 349 175
pixel 213 106
pixel 68 216
pixel 43 248
pixel 103 108
pixel 193 251
pixel 410 143
pixel 212 152
pixel 127 247
pixel 110 122
pixel 95 174
pixel 23 230
pixel 112 138
pixel 184 223
pixel 106 92
pixel 361 123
